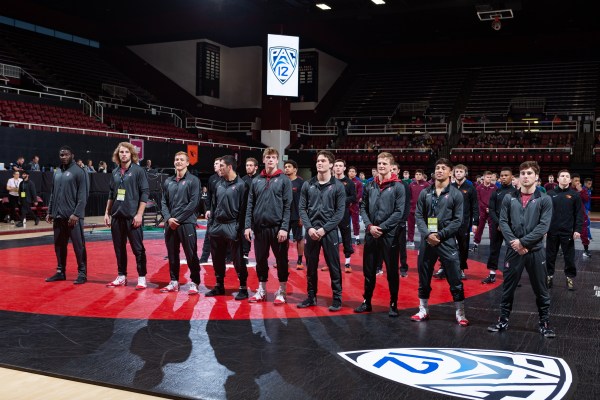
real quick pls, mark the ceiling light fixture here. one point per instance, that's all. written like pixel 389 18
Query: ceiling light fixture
pixel 323 6
pixel 378 2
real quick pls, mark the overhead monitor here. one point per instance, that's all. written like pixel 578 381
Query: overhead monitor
pixel 282 65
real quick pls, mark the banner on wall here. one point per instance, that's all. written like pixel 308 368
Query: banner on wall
pixel 138 144
pixel 192 150
pixel 282 65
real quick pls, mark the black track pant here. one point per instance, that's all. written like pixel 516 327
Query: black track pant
pixel 13 204
pixel 496 240
pixel 218 250
pixel 26 211
pixel 206 243
pixel 62 234
pixel 184 235
pixel 534 263
pixel 330 246
pixel 122 229
pixel 402 248
pixel 447 252
pixel 246 246
pixel 265 239
pixel 346 233
pixel 463 237
pixel 568 247
pixel 385 249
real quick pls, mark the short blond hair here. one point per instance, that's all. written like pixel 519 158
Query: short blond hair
pixel 134 154
pixel 270 150
pixel 182 153
pixel 387 155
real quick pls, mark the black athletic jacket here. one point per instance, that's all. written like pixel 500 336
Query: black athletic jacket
pixel 70 191
pixel 135 183
pixel 322 206
pixel 495 204
pixel 296 189
pixel 566 211
pixel 470 204
pixel 30 194
pixel 180 199
pixel 211 186
pixel 229 208
pixel 528 224
pixel 384 204
pixel 350 189
pixel 269 201
pixel 407 202
pixel 448 211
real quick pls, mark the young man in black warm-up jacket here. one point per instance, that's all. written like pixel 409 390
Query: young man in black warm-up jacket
pixel 124 213
pixel 439 217
pixel 66 211
pixel 339 167
pixel 524 220
pixel 322 205
pixel 382 211
pixel 179 206
pixel 228 214
pixel 565 228
pixel 268 222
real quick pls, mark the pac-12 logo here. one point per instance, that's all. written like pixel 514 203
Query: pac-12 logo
pixel 283 61
pixel 469 373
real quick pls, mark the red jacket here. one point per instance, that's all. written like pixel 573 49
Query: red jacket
pixel 483 195
pixel 415 188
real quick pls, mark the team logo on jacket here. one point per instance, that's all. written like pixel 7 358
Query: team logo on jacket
pixel 283 61
pixel 469 373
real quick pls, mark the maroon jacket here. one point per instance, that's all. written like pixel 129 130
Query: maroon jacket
pixel 415 188
pixel 483 195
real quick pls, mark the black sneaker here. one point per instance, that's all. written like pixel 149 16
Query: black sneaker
pixel 549 279
pixel 358 242
pixel 475 247
pixel 364 307
pixel 336 305
pixel 501 325
pixel 441 274
pixel 19 224
pixel 462 275
pixel 347 269
pixel 586 253
pixel 59 276
pixel 490 279
pixel 403 274
pixel 242 294
pixel 393 313
pixel 216 291
pixel 80 280
pixel 570 284
pixel 546 330
pixel 308 302
pixel 37 220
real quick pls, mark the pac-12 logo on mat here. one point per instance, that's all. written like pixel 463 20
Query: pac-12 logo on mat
pixel 283 61
pixel 469 373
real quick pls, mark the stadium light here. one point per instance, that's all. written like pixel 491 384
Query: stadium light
pixel 323 6
pixel 378 2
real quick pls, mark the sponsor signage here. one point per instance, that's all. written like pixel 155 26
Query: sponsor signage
pixel 469 373
pixel 282 65
pixel 138 144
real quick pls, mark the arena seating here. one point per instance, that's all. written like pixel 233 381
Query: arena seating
pixel 147 126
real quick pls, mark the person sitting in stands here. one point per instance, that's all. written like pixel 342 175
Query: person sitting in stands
pixel 34 164
pixel 90 167
pixel 102 167
pixel 19 164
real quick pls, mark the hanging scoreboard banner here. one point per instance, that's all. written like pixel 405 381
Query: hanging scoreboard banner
pixel 282 65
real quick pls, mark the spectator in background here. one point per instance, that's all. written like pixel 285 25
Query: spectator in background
pixel 362 177
pixel 18 165
pixel 81 164
pixel 90 167
pixel 203 200
pixel 406 179
pixel 588 204
pixel 102 167
pixel 551 185
pixel 12 186
pixel 34 164
pixel 27 196
pixel 484 192
pixel 583 194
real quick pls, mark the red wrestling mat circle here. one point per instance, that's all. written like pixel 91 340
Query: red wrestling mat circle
pixel 24 288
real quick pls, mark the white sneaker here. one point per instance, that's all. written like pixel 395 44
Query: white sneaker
pixel 410 244
pixel 280 297
pixel 461 318
pixel 193 289
pixel 173 286
pixel 141 285
pixel 260 295
pixel 120 281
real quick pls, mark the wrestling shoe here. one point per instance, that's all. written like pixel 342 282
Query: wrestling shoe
pixel 422 315
pixel 280 297
pixel 260 295
pixel 501 325
pixel 121 280
pixel 173 286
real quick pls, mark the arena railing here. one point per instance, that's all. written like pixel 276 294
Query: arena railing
pixel 45 95
pixel 97 132
pixel 376 129
pixel 511 149
pixel 363 151
pixel 220 126
pixel 507 127
pixel 176 118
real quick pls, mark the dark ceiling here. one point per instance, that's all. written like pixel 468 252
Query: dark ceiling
pixel 350 28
